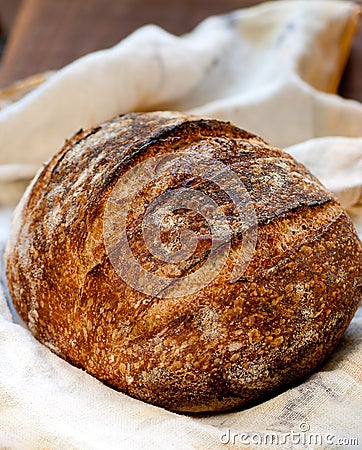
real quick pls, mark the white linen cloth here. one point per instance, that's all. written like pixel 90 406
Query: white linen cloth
pixel 271 69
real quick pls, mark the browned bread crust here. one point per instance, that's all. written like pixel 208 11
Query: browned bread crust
pixel 223 346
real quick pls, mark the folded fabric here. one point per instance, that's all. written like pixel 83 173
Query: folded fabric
pixel 273 70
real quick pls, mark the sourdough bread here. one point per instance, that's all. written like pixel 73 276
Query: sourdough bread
pixel 283 276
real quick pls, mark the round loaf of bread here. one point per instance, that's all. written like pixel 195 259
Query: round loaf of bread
pixel 184 262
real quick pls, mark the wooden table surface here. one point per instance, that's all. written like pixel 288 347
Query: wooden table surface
pixel 47 34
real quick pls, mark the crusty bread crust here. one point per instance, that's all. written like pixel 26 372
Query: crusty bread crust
pixel 225 346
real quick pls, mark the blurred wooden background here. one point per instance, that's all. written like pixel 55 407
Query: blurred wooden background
pixel 40 35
